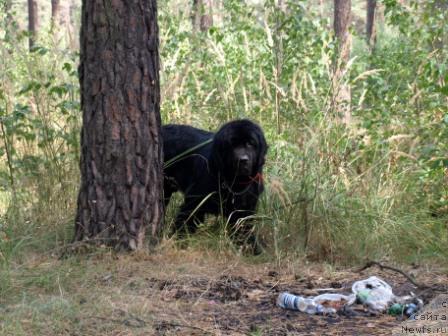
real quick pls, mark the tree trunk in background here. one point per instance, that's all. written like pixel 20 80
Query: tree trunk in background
pixel 202 15
pixel 370 24
pixel 64 16
pixel 33 22
pixel 207 15
pixel 61 23
pixel 321 8
pixel 55 9
pixel 196 14
pixel 72 26
pixel 341 91
pixel 121 154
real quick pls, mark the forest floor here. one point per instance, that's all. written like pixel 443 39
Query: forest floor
pixel 183 292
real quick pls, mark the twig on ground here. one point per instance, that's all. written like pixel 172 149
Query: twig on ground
pixel 407 276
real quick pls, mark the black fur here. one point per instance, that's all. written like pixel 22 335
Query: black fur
pixel 223 171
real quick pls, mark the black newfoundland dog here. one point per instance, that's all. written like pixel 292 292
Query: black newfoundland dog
pixel 219 173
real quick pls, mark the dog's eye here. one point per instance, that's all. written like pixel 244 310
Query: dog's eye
pixel 251 143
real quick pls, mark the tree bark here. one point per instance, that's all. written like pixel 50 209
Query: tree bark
pixel 61 23
pixel 72 25
pixel 341 90
pixel 202 15
pixel 55 10
pixel 33 22
pixel 321 8
pixel 370 24
pixel 121 155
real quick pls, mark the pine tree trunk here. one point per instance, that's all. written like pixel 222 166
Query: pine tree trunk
pixel 121 158
pixel 202 15
pixel 72 26
pixel 341 90
pixel 55 9
pixel 370 24
pixel 207 15
pixel 321 8
pixel 33 22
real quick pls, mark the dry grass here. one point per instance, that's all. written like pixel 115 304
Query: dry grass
pixel 176 292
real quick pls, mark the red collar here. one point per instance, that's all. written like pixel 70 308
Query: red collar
pixel 258 178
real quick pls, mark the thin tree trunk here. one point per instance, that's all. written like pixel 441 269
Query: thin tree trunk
pixel 196 14
pixel 202 15
pixel 321 8
pixel 121 155
pixel 72 26
pixel 207 15
pixel 33 22
pixel 341 90
pixel 55 10
pixel 370 24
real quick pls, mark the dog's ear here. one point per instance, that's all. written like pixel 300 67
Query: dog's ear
pixel 262 150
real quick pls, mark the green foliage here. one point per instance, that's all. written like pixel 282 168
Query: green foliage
pixel 327 184
pixel 39 145
pixel 373 189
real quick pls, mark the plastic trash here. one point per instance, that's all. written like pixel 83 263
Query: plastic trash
pixel 294 302
pixel 403 309
pixel 362 296
pixel 336 301
pixel 396 309
pixel 374 292
pixel 305 305
pixel 411 309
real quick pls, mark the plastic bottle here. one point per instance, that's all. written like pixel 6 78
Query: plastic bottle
pixel 396 309
pixel 305 305
pixel 410 309
pixel 403 309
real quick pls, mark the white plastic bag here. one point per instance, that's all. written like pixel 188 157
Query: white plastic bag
pixel 377 293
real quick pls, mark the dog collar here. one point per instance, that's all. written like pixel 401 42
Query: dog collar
pixel 258 178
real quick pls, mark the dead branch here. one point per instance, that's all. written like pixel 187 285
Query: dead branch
pixel 407 276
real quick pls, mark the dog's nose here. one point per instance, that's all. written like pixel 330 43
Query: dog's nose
pixel 244 158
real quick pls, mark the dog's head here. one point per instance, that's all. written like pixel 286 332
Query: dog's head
pixel 239 149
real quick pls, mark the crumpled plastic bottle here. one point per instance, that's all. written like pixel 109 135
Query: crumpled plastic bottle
pixel 305 305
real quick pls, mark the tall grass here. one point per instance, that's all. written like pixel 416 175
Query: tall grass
pixel 371 190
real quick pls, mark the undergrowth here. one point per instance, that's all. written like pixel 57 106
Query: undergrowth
pixel 374 189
